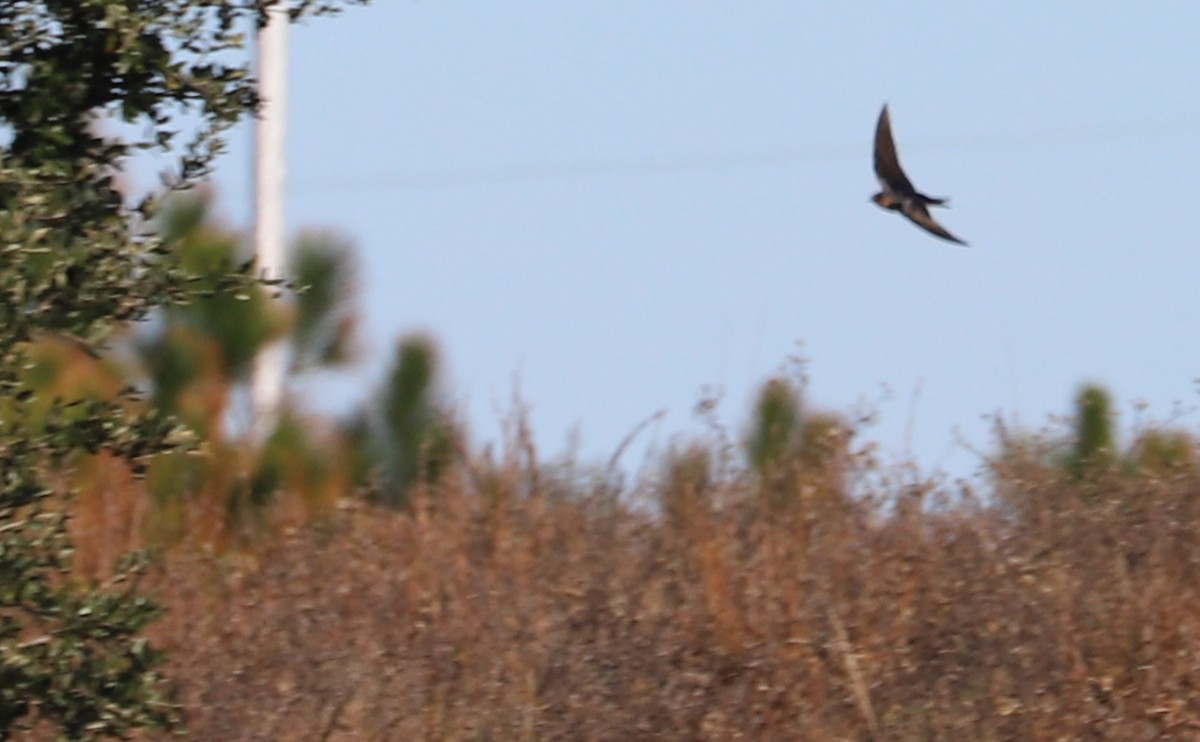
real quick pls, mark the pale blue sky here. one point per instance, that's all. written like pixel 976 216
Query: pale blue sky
pixel 622 203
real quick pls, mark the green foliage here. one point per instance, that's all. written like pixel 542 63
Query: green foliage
pixel 238 322
pixel 797 456
pixel 1094 440
pixel 1164 451
pixel 414 439
pixel 776 426
pixel 195 358
pixel 218 334
pixel 77 261
pixel 195 351
pixel 1085 464
pixel 325 320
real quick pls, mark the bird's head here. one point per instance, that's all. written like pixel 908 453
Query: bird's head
pixel 885 200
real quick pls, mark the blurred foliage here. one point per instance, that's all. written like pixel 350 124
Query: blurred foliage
pixel 1085 459
pixel 407 436
pixel 1164 451
pixel 78 264
pixel 539 616
pixel 797 456
pixel 196 360
pixel 1094 438
pixel 687 484
pixel 325 319
pixel 776 426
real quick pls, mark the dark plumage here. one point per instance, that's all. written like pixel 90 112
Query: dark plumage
pixel 898 193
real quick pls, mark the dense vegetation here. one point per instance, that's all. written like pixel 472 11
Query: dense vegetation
pixel 821 596
pixel 375 577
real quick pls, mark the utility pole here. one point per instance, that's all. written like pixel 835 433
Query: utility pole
pixel 266 386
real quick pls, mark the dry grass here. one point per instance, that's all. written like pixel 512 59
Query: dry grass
pixel 1073 612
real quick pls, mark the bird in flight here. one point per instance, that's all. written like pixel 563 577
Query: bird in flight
pixel 898 193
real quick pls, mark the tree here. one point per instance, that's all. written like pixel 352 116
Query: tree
pixel 794 451
pixel 407 435
pixel 1093 448
pixel 79 262
pixel 193 359
pixel 777 425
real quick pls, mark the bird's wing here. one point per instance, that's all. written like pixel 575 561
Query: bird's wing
pixel 919 215
pixel 887 164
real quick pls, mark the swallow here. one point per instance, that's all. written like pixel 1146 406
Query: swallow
pixel 898 193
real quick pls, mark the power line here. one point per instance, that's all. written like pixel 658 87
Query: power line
pixel 653 164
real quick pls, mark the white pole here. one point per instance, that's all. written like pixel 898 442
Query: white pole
pixel 266 387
